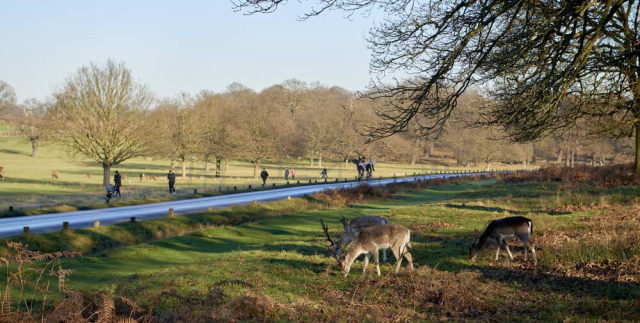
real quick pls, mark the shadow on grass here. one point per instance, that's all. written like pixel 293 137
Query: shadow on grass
pixel 483 208
pixel 441 255
pixel 298 264
pixel 14 152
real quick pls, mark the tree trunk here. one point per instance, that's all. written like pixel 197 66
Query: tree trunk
pixel 106 177
pixel 34 147
pixel 255 169
pixel 414 156
pixel 573 157
pixel 559 159
pixel 206 163
pixel 636 164
pixel 311 160
pixel 218 166
pixel 320 161
pixel 184 168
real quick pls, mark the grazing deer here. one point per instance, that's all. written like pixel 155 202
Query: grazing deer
pixel 54 175
pixel 1 170
pixel 87 176
pixel 370 241
pixel 352 229
pixel 151 178
pixel 502 230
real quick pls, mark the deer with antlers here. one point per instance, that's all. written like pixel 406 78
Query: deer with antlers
pixel 370 240
pixel 352 229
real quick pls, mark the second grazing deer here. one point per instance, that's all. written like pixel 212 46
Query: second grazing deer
pixel 370 240
pixel 499 231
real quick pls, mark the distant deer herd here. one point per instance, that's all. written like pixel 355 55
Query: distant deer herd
pixel 370 234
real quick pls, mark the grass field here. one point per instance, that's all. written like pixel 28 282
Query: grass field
pixel 28 183
pixel 277 268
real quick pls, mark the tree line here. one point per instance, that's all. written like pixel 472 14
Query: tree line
pixel 102 114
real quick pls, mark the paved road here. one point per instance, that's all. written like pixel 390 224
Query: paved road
pixel 83 219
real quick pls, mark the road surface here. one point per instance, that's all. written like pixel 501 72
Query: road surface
pixel 84 219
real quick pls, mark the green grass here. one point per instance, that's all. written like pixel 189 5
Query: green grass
pixel 28 184
pixel 284 258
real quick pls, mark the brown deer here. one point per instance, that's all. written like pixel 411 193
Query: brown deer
pixel 87 176
pixel 54 175
pixel 1 170
pixel 499 231
pixel 151 177
pixel 352 229
pixel 370 240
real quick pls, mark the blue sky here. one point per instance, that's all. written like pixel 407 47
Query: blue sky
pixel 175 46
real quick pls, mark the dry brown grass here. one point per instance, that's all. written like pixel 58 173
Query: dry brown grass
pixel 604 176
pixel 345 196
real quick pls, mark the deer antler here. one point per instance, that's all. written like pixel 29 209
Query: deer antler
pixel 326 232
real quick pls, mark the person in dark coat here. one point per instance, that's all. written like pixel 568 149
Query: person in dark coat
pixel 323 173
pixel 369 169
pixel 286 174
pixel 264 176
pixel 117 179
pixel 172 181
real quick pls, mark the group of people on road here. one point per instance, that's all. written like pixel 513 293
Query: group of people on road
pixel 364 167
pixel 171 176
pixel 288 172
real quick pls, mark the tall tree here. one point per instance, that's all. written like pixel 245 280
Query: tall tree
pixel 8 98
pixel 547 63
pixel 33 123
pixel 98 114
pixel 185 133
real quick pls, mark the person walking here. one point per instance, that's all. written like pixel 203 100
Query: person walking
pixel 117 179
pixel 360 167
pixel 286 174
pixel 293 174
pixel 264 176
pixel 172 181
pixel 323 173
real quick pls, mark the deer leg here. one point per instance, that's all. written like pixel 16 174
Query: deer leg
pixel 401 252
pixel 409 259
pixel 376 258
pixel 528 245
pixel 499 241
pixel 506 246
pixel 384 255
pixel 366 263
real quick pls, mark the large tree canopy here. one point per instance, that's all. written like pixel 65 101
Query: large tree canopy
pixel 546 63
pixel 99 114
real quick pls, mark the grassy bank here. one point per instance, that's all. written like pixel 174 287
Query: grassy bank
pixel 28 183
pixel 277 268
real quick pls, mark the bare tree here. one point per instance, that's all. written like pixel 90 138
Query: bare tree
pixel 257 127
pixel 185 133
pixel 217 123
pixel 546 63
pixel 98 114
pixel 8 97
pixel 33 123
